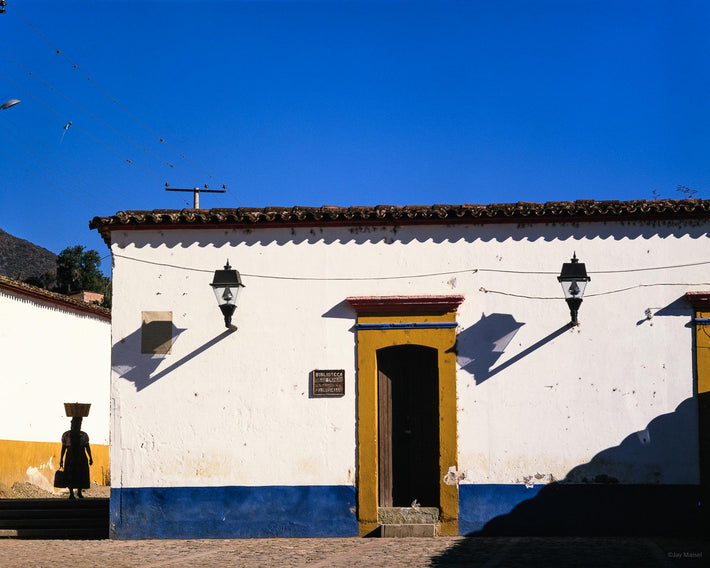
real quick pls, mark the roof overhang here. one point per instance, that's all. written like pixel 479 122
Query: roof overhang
pixel 29 291
pixel 330 216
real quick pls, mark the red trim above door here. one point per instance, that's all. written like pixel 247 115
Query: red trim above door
pixel 699 300
pixel 409 304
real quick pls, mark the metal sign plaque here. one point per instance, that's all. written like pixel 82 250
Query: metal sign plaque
pixel 328 383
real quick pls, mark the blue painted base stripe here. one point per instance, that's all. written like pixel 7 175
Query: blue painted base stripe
pixel 233 512
pixel 330 511
pixel 580 509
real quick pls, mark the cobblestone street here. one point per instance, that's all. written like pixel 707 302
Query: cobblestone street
pixel 341 553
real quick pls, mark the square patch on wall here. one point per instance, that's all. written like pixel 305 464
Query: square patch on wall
pixel 156 332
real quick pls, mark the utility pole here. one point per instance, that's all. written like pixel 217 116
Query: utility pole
pixel 196 193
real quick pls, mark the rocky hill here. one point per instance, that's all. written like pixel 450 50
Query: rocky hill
pixel 20 259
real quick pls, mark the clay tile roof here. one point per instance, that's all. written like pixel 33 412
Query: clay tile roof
pixel 23 289
pixel 583 210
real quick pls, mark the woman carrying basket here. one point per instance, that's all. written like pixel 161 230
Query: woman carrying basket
pixel 75 446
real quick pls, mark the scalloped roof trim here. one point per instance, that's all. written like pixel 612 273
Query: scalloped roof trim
pixel 583 210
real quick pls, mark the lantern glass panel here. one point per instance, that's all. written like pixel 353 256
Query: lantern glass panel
pixel 574 288
pixel 226 295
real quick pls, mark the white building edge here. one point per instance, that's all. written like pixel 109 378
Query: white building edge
pixel 53 349
pixel 498 412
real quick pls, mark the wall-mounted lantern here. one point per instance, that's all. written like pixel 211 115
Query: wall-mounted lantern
pixel 226 285
pixel 574 280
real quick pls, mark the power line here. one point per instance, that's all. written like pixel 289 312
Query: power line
pixel 66 173
pixel 617 271
pixel 606 293
pixel 117 103
pixel 425 275
pixel 92 116
pixel 69 122
pixel 72 164
pixel 302 278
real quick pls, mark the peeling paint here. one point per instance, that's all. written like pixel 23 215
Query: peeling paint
pixel 453 477
pixel 536 479
pixel 34 476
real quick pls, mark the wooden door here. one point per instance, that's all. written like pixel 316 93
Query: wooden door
pixel 408 426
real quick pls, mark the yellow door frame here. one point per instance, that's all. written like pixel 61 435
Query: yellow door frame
pixel 701 308
pixel 387 321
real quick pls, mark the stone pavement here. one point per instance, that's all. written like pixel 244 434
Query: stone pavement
pixel 488 552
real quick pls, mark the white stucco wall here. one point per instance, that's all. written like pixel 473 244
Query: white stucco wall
pixel 50 355
pixel 535 400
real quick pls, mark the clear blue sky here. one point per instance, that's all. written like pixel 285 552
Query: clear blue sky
pixel 345 103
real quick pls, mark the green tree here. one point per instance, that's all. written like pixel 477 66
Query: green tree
pixel 78 269
pixel 47 280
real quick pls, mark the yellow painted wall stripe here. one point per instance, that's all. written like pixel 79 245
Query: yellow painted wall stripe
pixel 18 456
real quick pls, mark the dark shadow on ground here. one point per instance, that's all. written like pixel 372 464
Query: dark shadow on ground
pixel 576 552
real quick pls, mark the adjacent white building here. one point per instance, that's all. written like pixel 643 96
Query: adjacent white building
pixel 380 355
pixel 53 349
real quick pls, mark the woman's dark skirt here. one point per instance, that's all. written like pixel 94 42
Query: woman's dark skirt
pixel 76 467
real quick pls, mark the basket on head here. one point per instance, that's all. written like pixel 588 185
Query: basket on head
pixel 77 409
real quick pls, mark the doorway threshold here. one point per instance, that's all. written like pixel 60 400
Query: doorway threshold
pixel 401 522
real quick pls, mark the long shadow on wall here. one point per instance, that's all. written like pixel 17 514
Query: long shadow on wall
pixel 647 485
pixel 145 372
pixel 479 347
